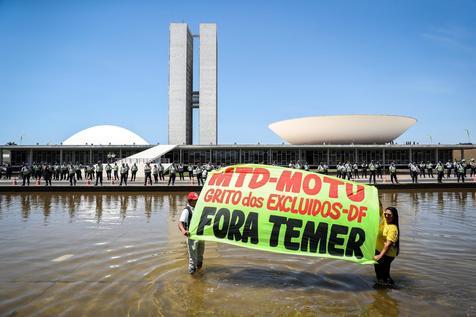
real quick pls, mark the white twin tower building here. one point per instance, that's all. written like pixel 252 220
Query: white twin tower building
pixel 182 96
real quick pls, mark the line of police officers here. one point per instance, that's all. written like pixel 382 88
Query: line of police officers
pixel 348 170
pixel 73 172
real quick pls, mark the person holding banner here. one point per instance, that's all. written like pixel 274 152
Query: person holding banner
pixel 388 246
pixel 195 247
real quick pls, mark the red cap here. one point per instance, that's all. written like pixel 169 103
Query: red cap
pixel 192 196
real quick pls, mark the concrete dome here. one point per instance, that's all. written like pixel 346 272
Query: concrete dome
pixel 105 135
pixel 342 129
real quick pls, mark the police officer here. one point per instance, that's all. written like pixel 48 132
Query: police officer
pixel 108 171
pixel 422 169
pixel 155 172
pixel 190 172
pixel 373 170
pixel 463 163
pixel 180 171
pixel 448 166
pixel 378 167
pixel 338 170
pixel 348 170
pixel 71 175
pixel 198 172
pixel 147 172
pixel 64 171
pixel 204 175
pixel 393 173
pixel 123 175
pixel 461 172
pixel 326 169
pixel 77 168
pixel 25 174
pixel 472 165
pixel 127 170
pixel 57 171
pixel 161 172
pixel 440 170
pixel 356 170
pixel 99 173
pixel 415 171
pixel 116 172
pixel 320 168
pixel 429 167
pixel 364 170
pixel 172 173
pixel 133 172
pixel 47 173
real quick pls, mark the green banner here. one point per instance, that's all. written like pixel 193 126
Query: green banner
pixel 288 211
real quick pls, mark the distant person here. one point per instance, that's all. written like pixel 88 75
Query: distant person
pixel 422 169
pixel 147 174
pixel 429 168
pixel 108 171
pixel 388 246
pixel 116 172
pixel 25 174
pixel 123 174
pixel 161 172
pixel 373 171
pixel 155 172
pixel 47 175
pixel 198 172
pixel 461 172
pixel 364 170
pixel 172 174
pixel 414 172
pixel 472 165
pixel 448 166
pixel 393 173
pixel 440 171
pixel 134 169
pixel 190 172
pixel 71 175
pixel 8 171
pixel 195 247
pixel 180 170
pixel 99 173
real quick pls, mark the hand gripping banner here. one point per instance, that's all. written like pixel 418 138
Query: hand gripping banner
pixel 288 211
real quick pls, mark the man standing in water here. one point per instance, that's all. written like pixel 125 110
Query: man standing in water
pixel 195 247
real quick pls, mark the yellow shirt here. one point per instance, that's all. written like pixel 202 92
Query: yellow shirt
pixel 387 232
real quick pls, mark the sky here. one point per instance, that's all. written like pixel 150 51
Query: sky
pixel 69 65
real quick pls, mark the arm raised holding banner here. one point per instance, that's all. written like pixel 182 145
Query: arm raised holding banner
pixel 388 246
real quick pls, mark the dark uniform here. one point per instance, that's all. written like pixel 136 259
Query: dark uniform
pixel 99 173
pixel 133 172
pixel 440 170
pixel 172 174
pixel 147 172
pixel 393 173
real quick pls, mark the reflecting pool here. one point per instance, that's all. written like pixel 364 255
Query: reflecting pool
pixel 121 253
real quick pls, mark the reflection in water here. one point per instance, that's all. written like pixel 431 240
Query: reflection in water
pixel 46 207
pixel 383 305
pixel 25 206
pixel 128 244
pixel 98 208
pixel 122 202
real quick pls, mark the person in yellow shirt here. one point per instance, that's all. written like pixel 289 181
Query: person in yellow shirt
pixel 388 246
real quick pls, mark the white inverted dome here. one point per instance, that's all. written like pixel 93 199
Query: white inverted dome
pixel 105 135
pixel 342 129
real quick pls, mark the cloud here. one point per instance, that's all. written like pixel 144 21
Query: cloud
pixel 456 37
